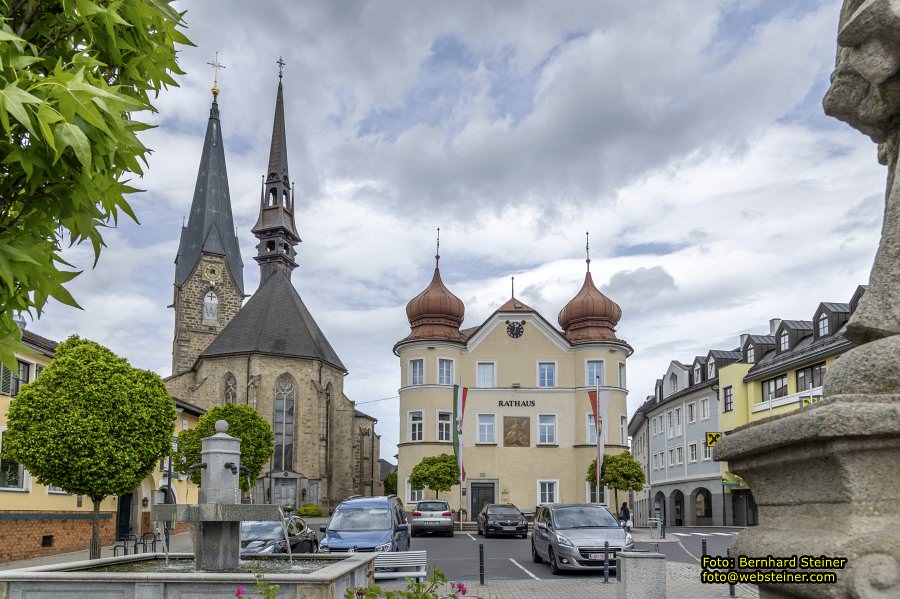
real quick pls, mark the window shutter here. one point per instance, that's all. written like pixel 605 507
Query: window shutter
pixel 5 380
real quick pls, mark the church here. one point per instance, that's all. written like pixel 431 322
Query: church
pixel 267 353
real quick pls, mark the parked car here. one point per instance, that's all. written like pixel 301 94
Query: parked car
pixel 262 538
pixel 571 537
pixel 502 519
pixel 431 516
pixel 366 524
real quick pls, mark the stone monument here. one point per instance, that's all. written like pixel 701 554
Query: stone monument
pixel 827 478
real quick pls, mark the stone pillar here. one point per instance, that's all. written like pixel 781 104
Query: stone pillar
pixel 827 478
pixel 217 543
pixel 640 575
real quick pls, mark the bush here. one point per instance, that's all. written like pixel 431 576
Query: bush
pixel 310 510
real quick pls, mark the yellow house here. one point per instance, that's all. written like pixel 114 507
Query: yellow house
pixel 528 434
pixel 779 372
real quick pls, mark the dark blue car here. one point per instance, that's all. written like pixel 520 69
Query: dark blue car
pixel 366 524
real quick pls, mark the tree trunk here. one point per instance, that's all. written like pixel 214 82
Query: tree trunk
pixel 95 530
pixel 616 500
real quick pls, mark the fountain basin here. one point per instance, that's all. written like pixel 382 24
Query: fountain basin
pixel 92 578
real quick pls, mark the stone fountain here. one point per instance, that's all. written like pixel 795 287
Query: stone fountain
pixel 215 569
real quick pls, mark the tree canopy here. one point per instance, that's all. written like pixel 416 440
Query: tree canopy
pixel 73 75
pixel 90 424
pixel 438 473
pixel 390 483
pixel 620 472
pixel 245 423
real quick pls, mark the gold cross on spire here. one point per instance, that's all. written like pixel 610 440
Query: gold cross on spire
pixel 216 65
pixel 280 62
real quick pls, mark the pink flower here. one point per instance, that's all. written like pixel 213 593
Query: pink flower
pixel 459 587
pixel 239 592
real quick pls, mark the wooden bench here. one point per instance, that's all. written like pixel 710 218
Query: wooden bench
pixel 408 564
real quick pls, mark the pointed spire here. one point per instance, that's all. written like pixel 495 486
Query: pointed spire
pixel 512 286
pixel 275 227
pixel 216 65
pixel 210 224
pixel 587 249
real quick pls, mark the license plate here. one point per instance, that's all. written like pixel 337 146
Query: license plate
pixel 431 522
pixel 509 528
pixel 597 556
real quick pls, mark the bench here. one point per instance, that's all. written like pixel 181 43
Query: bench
pixel 408 564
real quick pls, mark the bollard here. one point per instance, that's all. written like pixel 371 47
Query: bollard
pixel 662 529
pixel 481 562
pixel 730 584
pixel 605 561
pixel 703 547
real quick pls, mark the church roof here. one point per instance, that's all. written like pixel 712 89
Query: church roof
pixel 210 225
pixel 275 321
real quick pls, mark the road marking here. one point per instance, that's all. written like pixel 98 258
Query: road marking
pixel 681 534
pixel 699 534
pixel 522 568
pixel 470 536
pixel 724 534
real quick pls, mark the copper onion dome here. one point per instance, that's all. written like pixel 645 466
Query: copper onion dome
pixel 590 315
pixel 435 313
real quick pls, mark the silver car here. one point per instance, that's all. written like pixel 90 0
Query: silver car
pixel 431 516
pixel 571 537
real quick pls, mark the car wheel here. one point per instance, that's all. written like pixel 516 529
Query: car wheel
pixel 450 534
pixel 534 554
pixel 524 536
pixel 554 567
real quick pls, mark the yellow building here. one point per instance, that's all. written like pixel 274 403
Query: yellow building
pixel 778 372
pixel 528 434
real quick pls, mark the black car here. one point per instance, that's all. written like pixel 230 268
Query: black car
pixel 502 519
pixel 264 538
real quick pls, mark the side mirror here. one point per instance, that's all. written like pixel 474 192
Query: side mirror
pixel 541 525
pixel 403 527
pixel 323 527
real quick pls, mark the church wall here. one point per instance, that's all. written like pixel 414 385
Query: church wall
pixel 194 333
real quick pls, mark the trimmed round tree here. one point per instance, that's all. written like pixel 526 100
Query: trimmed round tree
pixel 90 424
pixel 620 472
pixel 438 473
pixel 244 423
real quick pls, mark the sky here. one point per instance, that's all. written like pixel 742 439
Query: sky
pixel 687 136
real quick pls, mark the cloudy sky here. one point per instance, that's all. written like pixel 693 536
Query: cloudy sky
pixel 686 136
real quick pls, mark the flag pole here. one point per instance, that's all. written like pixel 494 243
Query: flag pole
pixel 597 439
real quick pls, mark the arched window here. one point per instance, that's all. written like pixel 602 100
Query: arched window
pixel 711 369
pixel 210 306
pixel 697 378
pixel 673 383
pixel 823 325
pixel 230 388
pixel 284 423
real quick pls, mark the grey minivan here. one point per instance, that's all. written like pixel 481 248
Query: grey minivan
pixel 571 536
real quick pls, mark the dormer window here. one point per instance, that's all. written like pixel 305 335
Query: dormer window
pixel 711 369
pixel 784 342
pixel 751 354
pixel 823 325
pixel 696 373
pixel 673 383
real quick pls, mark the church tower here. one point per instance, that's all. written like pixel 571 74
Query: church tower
pixel 209 280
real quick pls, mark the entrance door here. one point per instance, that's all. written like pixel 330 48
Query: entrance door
pixel 123 516
pixel 285 492
pixel 482 494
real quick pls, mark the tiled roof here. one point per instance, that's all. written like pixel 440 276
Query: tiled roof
pixel 38 342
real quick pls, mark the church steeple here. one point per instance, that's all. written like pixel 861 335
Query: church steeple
pixel 210 227
pixel 275 226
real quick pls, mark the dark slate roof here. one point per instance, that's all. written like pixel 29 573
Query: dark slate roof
pixel 763 339
pixel 840 308
pixel 275 321
pixel 189 407
pixel 725 355
pixel 802 325
pixel 39 343
pixel 701 359
pixel 808 350
pixel 210 225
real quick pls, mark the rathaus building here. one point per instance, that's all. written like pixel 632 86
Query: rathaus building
pixel 267 352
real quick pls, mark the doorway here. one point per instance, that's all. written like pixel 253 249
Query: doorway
pixel 482 494
pixel 677 499
pixel 123 515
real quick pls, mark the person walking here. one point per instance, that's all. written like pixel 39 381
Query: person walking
pixel 624 515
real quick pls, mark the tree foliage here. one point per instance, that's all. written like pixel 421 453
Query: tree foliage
pixel 90 424
pixel 73 73
pixel 438 473
pixel 620 472
pixel 390 483
pixel 245 423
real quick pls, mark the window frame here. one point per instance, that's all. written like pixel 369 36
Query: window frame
pixel 711 368
pixel 23 473
pixel 410 491
pixel 823 320
pixel 409 426
pixel 448 422
pixel 493 364
pixel 590 429
pixel 623 430
pixel 751 354
pixel 452 371
pixel 692 453
pixel 707 452
pixel 588 364
pixel 728 399
pixel 679 455
pixel 784 341
pixel 775 388
pixel 679 429
pixel 623 376
pixel 704 408
pixel 493 440
pixel 538 373
pixel 670 429
pixel 671 457
pixel 555 486
pixel 412 372
pixel 813 371
pixel 555 429
pixel 698 373
pixel 692 412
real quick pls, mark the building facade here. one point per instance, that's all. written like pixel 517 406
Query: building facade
pixel 639 431
pixel 268 353
pixel 527 432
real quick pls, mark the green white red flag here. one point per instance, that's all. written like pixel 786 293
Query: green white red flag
pixel 599 406
pixel 459 410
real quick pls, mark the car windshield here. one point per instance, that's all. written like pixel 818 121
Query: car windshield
pixel 583 516
pixel 504 510
pixel 432 506
pixel 261 530
pixel 359 519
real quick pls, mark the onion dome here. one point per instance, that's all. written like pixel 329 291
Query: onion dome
pixel 435 313
pixel 590 315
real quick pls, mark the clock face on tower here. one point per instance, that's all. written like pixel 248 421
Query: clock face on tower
pixel 212 272
pixel 515 329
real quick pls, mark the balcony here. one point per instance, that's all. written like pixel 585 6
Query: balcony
pixel 800 400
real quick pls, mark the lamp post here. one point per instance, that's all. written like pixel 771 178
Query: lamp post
pixel 169 493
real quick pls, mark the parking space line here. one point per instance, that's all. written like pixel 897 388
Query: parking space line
pixel 723 534
pixel 681 534
pixel 522 568
pixel 470 536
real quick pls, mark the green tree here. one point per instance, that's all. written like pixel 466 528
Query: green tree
pixel 73 75
pixel 438 473
pixel 90 424
pixel 245 423
pixel 390 483
pixel 619 472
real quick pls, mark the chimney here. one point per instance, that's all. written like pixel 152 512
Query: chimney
pixel 20 320
pixel 773 325
pixel 744 338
